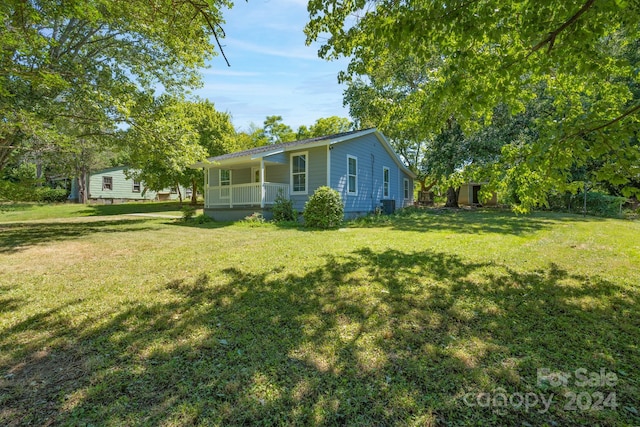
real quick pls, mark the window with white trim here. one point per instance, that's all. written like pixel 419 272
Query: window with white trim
pixel 352 175
pixel 385 181
pixel 299 173
pixel 136 186
pixel 225 177
pixel 406 189
pixel 107 183
pixel 225 181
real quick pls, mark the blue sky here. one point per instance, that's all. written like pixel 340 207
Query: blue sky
pixel 272 71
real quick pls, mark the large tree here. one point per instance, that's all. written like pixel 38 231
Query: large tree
pixel 386 99
pixel 89 61
pixel 275 131
pixel 170 135
pixel 324 126
pixel 478 55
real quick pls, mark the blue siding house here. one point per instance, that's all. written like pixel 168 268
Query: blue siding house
pixel 360 165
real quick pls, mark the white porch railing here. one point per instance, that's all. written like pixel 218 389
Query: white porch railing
pixel 244 194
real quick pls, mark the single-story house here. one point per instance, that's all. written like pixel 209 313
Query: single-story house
pixel 361 165
pixel 469 195
pixel 112 186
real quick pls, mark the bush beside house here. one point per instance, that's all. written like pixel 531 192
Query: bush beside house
pixel 324 209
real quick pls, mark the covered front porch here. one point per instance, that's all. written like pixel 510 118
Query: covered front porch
pixel 239 183
pixel 249 194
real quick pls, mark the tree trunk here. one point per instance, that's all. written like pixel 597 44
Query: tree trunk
pixel 452 197
pixel 179 192
pixel 194 193
pixel 82 186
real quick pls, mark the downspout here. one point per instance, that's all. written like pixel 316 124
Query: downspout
pixel 329 165
pixel 206 186
pixel 373 203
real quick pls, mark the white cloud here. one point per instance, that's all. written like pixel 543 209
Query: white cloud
pixel 272 71
pixel 303 52
pixel 230 73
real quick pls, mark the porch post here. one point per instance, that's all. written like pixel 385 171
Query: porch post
pixel 206 187
pixel 262 192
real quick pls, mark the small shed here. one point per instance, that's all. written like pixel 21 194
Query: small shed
pixel 470 195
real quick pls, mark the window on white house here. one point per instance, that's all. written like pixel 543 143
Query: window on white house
pixel 385 181
pixel 136 186
pixel 406 189
pixel 352 175
pixel 107 183
pixel 299 173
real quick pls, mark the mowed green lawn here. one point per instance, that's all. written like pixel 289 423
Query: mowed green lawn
pixel 437 318
pixel 36 211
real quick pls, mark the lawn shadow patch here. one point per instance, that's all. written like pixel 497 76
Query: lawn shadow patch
pixel 9 304
pixel 16 207
pixel 371 337
pixel 205 225
pixel 464 221
pixel 23 235
pixel 129 208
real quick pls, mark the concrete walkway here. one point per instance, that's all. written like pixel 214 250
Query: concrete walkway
pixel 152 215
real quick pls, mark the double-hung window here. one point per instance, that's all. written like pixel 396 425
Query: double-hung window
pixel 225 183
pixel 299 166
pixel 385 181
pixel 406 189
pixel 352 175
pixel 107 183
pixel 136 186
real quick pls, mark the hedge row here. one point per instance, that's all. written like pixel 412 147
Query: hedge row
pixel 12 192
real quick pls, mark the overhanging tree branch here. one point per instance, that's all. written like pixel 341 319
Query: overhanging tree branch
pixel 212 27
pixel 551 38
pixel 585 132
pixel 617 119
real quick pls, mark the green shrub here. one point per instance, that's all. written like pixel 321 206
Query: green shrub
pixel 324 209
pixel 255 218
pixel 14 192
pixel 203 219
pixel 188 212
pixel 283 209
pixel 598 204
pixel 51 195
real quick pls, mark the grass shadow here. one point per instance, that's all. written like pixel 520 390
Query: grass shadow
pixel 16 207
pixel 368 338
pixel 465 221
pixel 129 208
pixel 206 224
pixel 23 235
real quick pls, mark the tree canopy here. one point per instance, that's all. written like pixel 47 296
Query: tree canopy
pixel 275 131
pixel 325 126
pixel 88 62
pixel 467 58
pixel 172 134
